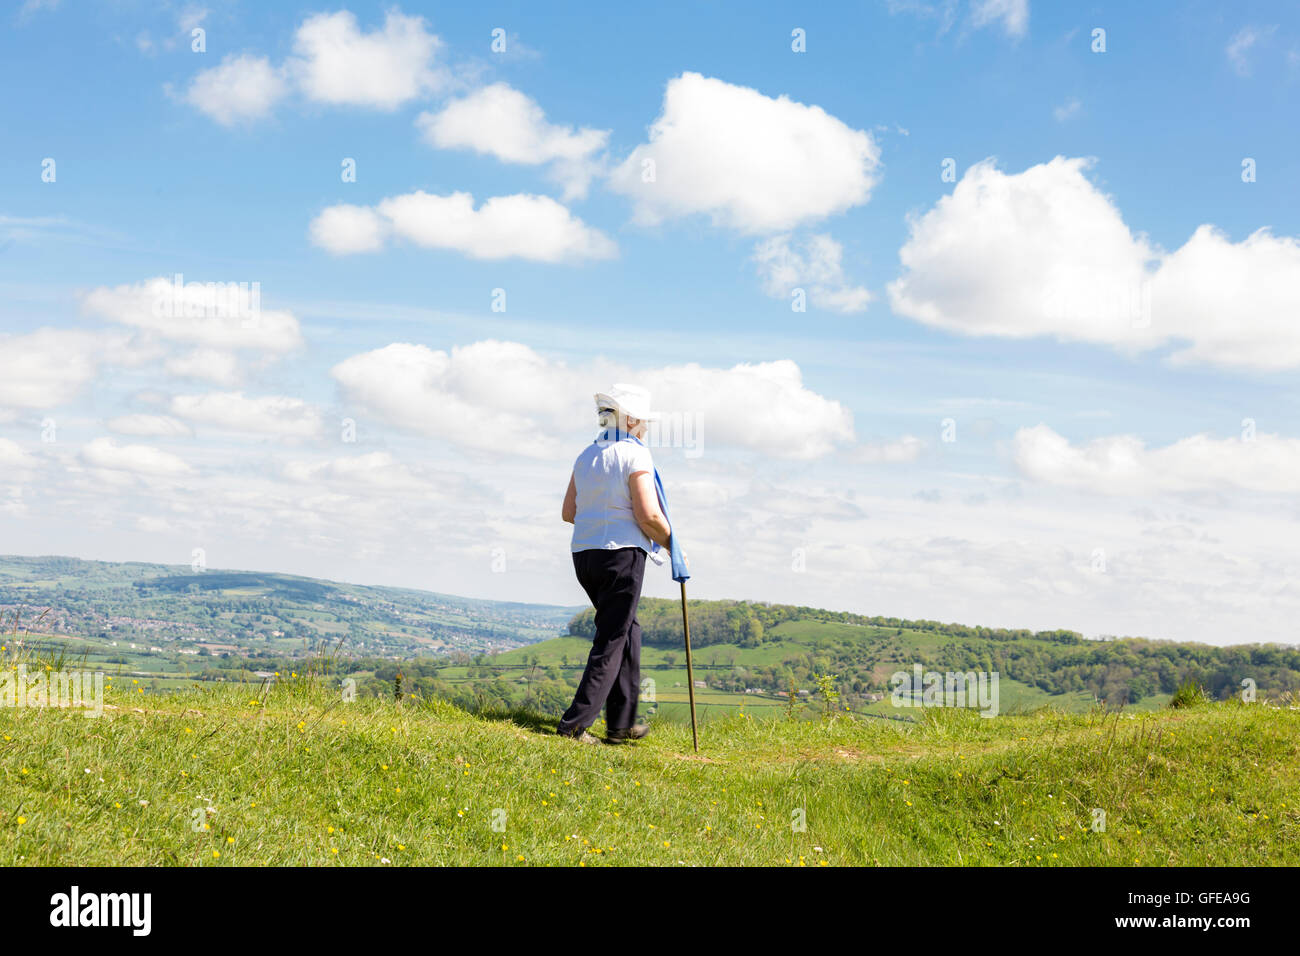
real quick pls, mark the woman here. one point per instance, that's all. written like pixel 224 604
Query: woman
pixel 614 509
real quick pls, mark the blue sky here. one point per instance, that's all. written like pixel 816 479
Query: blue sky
pixel 1103 475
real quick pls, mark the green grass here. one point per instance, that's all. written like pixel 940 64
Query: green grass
pixel 306 779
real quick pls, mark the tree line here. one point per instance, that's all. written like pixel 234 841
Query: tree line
pixel 749 624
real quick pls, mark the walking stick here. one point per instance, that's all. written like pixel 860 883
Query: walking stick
pixel 681 571
pixel 690 673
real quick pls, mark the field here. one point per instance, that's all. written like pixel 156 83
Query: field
pixel 793 641
pixel 216 776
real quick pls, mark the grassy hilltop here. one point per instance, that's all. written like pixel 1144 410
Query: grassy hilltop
pixel 226 738
pixel 296 776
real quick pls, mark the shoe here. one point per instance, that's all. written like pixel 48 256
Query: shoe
pixel 581 737
pixel 627 735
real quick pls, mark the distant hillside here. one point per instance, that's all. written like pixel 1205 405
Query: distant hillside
pixel 749 624
pixel 170 627
pixel 771 660
pixel 179 610
pixel 768 647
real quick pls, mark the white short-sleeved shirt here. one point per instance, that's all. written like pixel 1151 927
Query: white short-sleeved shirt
pixel 600 475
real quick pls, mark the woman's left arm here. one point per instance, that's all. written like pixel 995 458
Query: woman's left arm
pixel 569 510
pixel 645 509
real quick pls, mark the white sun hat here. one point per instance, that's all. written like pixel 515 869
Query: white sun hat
pixel 632 400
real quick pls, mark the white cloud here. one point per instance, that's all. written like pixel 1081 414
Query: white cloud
pixel 266 415
pixel 1038 252
pixel 242 87
pixel 501 121
pixel 190 16
pixel 149 426
pixel 48 367
pixel 752 163
pixel 905 449
pixel 13 457
pixel 484 395
pixel 1067 109
pixel 503 227
pixel 41 229
pixel 1044 252
pixel 377 471
pixel 346 229
pixel 1012 14
pixel 762 407
pixel 1123 465
pixel 32 7
pixel 139 459
pixel 1242 42
pixel 216 315
pixel 710 495
pixel 337 63
pixel 1236 304
pixel 334 62
pixel 208 365
pixel 491 393
pixel 817 267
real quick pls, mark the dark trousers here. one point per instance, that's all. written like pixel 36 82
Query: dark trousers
pixel 612 580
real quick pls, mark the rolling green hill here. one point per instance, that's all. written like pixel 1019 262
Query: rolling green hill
pixel 313 749
pixel 179 611
pixel 752 656
pixel 296 775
